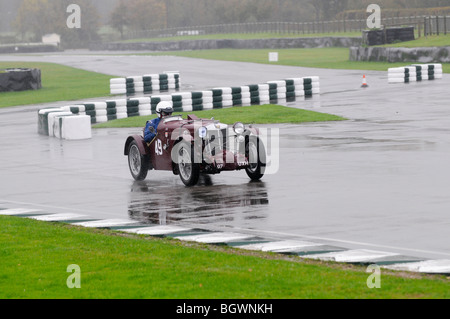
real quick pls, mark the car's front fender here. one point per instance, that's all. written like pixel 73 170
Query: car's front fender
pixel 143 148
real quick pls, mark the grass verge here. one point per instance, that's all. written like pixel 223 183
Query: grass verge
pixel 35 256
pixel 257 114
pixel 442 40
pixel 59 83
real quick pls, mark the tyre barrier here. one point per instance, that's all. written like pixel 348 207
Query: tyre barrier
pixel 415 73
pixel 15 80
pixel 145 84
pixel 51 124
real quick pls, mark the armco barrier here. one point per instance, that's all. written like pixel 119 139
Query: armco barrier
pixel 219 97
pixel 415 73
pixel 145 84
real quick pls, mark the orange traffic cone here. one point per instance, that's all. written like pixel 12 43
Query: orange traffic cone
pixel 364 84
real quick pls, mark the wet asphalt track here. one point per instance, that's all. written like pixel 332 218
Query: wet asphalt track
pixel 378 181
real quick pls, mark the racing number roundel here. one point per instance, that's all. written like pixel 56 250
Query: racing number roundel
pixel 158 147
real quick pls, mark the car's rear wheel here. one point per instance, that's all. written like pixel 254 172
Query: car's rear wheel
pixel 138 163
pixel 257 158
pixel 188 169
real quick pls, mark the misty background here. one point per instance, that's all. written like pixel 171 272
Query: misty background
pixel 115 20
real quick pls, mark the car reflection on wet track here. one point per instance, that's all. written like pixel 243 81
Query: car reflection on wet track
pixel 205 204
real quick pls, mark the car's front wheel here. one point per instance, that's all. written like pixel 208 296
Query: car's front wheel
pixel 138 163
pixel 256 153
pixel 188 169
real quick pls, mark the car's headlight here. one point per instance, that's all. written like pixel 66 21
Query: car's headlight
pixel 202 132
pixel 239 128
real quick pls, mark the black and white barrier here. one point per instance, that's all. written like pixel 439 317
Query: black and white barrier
pixel 216 98
pixel 145 84
pixel 415 73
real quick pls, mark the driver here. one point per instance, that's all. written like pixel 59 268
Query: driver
pixel 164 109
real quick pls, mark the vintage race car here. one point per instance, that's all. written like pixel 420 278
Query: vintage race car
pixel 193 146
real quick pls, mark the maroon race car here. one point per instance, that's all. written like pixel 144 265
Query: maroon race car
pixel 193 146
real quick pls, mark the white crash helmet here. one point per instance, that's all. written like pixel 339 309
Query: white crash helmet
pixel 165 107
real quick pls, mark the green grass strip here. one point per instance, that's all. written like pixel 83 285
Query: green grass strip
pixel 35 256
pixel 59 83
pixel 442 40
pixel 257 114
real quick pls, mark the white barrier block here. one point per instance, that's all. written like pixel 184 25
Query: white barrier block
pixel 121 115
pixel 72 108
pixel 396 70
pixel 153 76
pixel 145 112
pixel 226 97
pixel 118 81
pixel 145 107
pixel 101 112
pixel 396 80
pixel 101 119
pixel 136 78
pixel 245 89
pixel 299 92
pixel 396 75
pixel 187 102
pixel 76 127
pixel 51 121
pixel 163 97
pixel 118 87
pixel 119 103
pixel 297 81
pixel 207 94
pixel 187 108
pixel 141 100
pixel 184 95
pixel 227 103
pixel 278 83
pixel 225 90
pixel 314 79
pixel 281 90
pixel 207 100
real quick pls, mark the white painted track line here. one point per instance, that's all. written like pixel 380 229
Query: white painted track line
pixel 58 217
pixel 156 230
pixel 280 246
pixel 215 238
pixel 359 255
pixel 19 211
pixel 428 266
pixel 106 223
